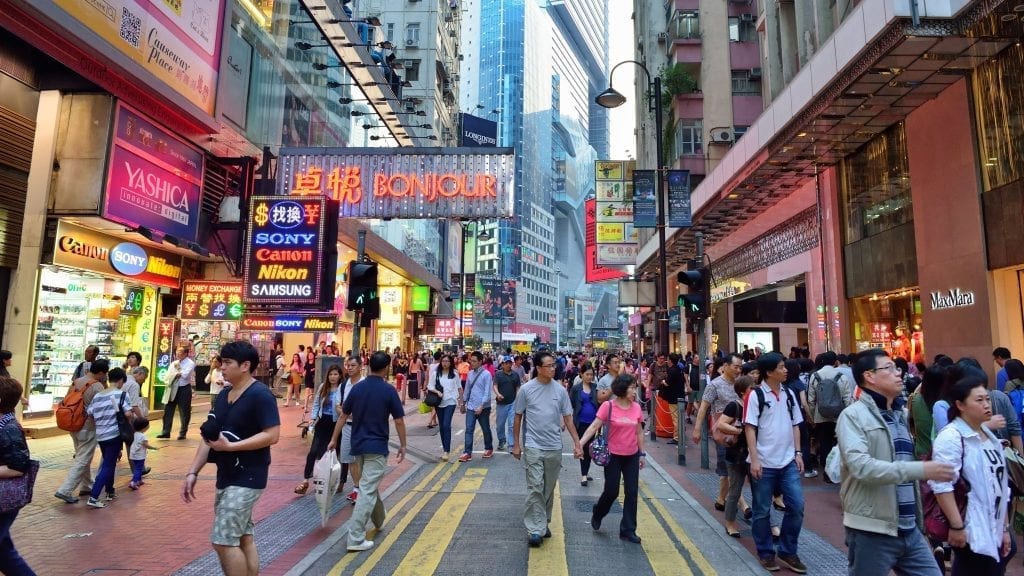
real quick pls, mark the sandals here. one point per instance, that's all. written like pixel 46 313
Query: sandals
pixel 302 488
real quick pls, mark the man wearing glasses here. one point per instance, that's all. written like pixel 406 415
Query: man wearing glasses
pixel 718 394
pixel 545 408
pixel 880 476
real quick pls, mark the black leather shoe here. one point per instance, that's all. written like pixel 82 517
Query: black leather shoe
pixel 535 540
pixel 146 470
pixel 630 538
pixel 595 522
pixel 163 436
pixel 547 533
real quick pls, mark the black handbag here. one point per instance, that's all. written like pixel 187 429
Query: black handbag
pixel 432 399
pixel 125 430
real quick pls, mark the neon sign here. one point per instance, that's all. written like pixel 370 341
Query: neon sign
pixel 290 323
pixel 404 183
pixel 285 250
pixel 211 300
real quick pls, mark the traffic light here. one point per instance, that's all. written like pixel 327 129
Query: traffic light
pixel 696 303
pixel 362 286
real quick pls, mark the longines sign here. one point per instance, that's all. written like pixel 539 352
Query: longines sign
pixel 954 298
pixel 404 182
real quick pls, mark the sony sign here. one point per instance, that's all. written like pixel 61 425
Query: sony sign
pixel 954 298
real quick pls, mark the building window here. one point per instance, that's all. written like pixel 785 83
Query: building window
pixel 412 70
pixel 686 24
pixel 412 34
pixel 689 138
pixel 738 131
pixel 390 34
pixel 742 83
pixel 998 99
pixel 741 28
pixel 875 186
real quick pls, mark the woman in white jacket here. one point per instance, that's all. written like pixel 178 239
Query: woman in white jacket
pixel 981 540
pixel 446 383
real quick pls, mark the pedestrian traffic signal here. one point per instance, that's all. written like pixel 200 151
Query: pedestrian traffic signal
pixel 696 303
pixel 362 286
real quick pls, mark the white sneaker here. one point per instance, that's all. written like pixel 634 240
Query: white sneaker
pixel 444 458
pixel 95 503
pixel 811 474
pixel 360 546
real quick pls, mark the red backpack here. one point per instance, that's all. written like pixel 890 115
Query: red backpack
pixel 70 413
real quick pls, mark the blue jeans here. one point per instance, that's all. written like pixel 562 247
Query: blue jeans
pixel 110 451
pixel 444 423
pixel 506 416
pixel 11 563
pixel 787 481
pixel 485 425
pixel 870 553
pixel 138 466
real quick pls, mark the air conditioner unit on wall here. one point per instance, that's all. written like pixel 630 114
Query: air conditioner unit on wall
pixel 407 64
pixel 754 74
pixel 722 136
pixel 411 42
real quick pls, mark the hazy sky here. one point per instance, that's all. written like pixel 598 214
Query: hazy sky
pixel 620 47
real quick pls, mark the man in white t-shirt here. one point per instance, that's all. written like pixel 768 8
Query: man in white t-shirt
pixel 772 419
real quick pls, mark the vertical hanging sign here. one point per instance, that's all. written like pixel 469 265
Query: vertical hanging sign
pixel 285 255
pixel 679 215
pixel 645 203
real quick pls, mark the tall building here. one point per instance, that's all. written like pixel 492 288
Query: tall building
pixel 537 65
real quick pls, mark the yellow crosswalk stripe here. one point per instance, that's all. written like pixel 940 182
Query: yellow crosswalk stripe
pixel 426 553
pixel 696 556
pixel 662 552
pixel 394 531
pixel 549 559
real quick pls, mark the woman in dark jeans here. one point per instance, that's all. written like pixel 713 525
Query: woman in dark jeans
pixel 583 397
pixel 731 422
pixel 324 415
pixel 14 462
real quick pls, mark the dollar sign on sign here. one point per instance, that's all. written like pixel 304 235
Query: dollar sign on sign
pixel 262 214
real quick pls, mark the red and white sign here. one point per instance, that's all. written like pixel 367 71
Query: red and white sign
pixel 444 328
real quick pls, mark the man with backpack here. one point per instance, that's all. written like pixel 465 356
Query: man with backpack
pixel 72 417
pixel 829 391
pixel 771 424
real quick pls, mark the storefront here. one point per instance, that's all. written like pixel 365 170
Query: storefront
pixel 94 289
pixel 892 321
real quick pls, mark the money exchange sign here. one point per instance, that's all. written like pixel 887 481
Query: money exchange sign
pixel 204 300
pixel 284 254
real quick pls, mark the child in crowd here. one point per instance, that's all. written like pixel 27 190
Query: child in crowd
pixel 137 455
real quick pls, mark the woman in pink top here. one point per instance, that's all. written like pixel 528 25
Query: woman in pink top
pixel 626 445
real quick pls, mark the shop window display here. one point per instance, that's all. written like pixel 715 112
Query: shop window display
pixel 890 321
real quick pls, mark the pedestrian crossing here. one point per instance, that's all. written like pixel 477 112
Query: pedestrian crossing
pixel 457 519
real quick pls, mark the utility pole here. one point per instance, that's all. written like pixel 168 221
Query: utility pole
pixel 702 353
pixel 360 255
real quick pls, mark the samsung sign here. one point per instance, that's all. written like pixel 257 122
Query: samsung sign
pixel 477 132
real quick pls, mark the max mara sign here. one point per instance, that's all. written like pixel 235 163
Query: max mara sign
pixel 954 298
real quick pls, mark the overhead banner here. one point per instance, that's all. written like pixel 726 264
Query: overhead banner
pixel 498 298
pixel 208 300
pixel 615 229
pixel 86 249
pixel 679 215
pixel 285 250
pixel 154 179
pixel 178 41
pixel 404 182
pixel 645 203
pixel 594 272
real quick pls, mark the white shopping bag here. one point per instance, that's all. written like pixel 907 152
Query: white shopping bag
pixel 326 477
pixel 833 464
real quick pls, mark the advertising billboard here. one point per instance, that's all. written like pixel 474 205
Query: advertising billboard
pixel 177 41
pixel 404 182
pixel 475 131
pixel 286 252
pixel 86 249
pixel 594 272
pixel 207 300
pixel 498 298
pixel 615 223
pixel 679 210
pixel 154 179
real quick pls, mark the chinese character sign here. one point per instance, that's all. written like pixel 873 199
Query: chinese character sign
pixel 614 218
pixel 202 300
pixel 404 183
pixel 285 251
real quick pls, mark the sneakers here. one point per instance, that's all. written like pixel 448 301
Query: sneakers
pixel 811 474
pixel 110 497
pixel 502 447
pixel 630 538
pixel 352 496
pixel 445 456
pixel 134 485
pixel 488 454
pixel 95 503
pixel 535 540
pixel 466 457
pixel 65 498
pixel 360 546
pixel 793 563
pixel 769 563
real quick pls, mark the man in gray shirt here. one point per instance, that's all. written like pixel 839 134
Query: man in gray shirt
pixel 604 385
pixel 545 407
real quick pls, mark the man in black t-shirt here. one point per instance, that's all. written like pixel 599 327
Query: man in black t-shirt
pixel 673 389
pixel 241 428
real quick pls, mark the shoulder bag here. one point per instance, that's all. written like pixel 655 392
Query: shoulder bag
pixel 16 492
pixel 722 438
pixel 936 526
pixel 125 430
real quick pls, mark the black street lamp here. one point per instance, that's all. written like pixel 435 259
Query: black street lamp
pixel 484 236
pixel 610 98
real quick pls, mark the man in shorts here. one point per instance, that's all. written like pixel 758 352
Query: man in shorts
pixel 242 426
pixel 353 374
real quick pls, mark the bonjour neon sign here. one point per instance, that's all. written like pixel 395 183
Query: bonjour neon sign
pixel 346 186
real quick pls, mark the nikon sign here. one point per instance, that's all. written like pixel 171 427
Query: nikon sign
pixel 403 182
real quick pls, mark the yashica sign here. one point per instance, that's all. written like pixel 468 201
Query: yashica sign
pixel 404 182
pixel 85 249
pixel 153 178
pixel 284 254
pixel 204 300
pixel 304 322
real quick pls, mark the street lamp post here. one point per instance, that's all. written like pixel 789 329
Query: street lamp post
pixel 610 98
pixel 466 234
